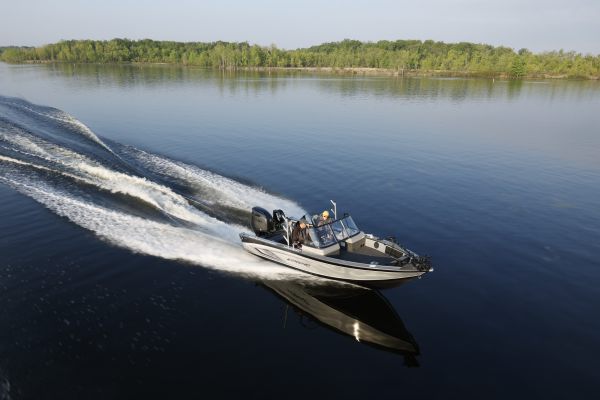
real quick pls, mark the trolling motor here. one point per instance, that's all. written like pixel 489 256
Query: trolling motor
pixel 423 263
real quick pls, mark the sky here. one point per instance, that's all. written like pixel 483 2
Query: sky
pixel 533 24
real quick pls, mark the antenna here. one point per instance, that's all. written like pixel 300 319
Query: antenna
pixel 334 209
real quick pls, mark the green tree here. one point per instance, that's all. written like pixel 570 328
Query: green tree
pixel 518 70
pixel 399 55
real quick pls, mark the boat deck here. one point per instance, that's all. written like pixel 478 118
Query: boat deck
pixel 364 255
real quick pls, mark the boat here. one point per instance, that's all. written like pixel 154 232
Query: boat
pixel 361 313
pixel 337 249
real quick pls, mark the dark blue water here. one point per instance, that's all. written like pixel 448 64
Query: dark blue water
pixel 114 285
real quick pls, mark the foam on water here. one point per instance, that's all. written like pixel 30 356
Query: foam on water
pixel 214 187
pixel 202 240
pixel 91 172
pixel 57 115
pixel 149 237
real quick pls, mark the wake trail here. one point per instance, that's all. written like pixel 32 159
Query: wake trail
pixel 213 188
pixel 60 178
pixel 85 169
pixel 57 115
pixel 149 237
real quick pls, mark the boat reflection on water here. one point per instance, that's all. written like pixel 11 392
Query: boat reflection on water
pixel 364 314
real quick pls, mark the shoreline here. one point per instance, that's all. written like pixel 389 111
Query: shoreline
pixel 364 71
pixel 412 73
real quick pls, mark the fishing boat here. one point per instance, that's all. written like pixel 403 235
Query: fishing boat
pixel 335 248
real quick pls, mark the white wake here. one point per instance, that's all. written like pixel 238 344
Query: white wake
pixel 63 117
pixel 214 188
pixel 202 240
pixel 150 237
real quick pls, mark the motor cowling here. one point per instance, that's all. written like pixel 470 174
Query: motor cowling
pixel 262 222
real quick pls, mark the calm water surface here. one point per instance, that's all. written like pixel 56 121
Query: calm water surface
pixel 113 286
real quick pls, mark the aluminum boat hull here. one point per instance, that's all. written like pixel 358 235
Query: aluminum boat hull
pixel 329 267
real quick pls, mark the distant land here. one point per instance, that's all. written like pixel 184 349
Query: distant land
pixel 400 57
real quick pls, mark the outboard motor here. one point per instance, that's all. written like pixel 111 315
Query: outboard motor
pixel 262 222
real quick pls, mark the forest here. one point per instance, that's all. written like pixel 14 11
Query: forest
pixel 397 57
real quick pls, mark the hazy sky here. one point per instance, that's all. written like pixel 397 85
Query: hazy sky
pixel 535 24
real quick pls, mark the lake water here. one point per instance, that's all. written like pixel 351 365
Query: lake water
pixel 112 285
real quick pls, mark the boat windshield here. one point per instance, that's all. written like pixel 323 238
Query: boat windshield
pixel 350 226
pixel 321 236
pixel 338 230
pixel 344 228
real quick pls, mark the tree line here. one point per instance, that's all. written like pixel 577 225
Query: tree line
pixel 399 56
